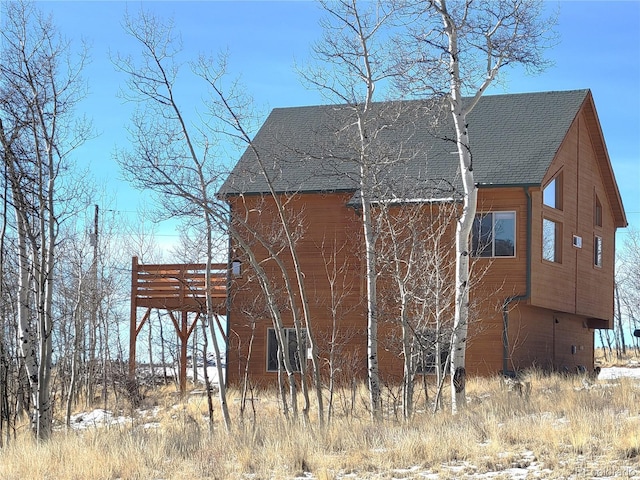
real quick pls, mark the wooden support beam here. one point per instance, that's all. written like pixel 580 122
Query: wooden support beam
pixel 183 355
pixel 175 288
pixel 217 318
pixel 133 319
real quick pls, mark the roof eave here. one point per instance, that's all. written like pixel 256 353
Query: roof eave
pixel 604 162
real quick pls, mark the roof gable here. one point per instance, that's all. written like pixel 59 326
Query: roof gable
pixel 604 163
pixel 514 139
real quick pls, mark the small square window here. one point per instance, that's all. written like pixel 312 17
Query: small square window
pixel 577 241
pixel 494 235
pixel 426 355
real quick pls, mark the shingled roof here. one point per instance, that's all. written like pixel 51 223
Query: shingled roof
pixel 514 139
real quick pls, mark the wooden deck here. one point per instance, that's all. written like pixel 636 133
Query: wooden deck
pixel 175 288
pixel 178 287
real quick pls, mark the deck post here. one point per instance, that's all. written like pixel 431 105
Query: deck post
pixel 184 339
pixel 133 318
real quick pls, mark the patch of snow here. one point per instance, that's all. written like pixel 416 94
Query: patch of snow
pixel 212 372
pixel 613 373
pixel 96 418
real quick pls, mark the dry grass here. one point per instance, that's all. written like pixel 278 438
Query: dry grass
pixel 566 427
pixel 617 359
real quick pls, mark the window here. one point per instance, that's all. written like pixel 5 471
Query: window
pixel 552 193
pixel 426 354
pixel 551 241
pixel 597 251
pixel 494 235
pixel 291 343
pixel 597 213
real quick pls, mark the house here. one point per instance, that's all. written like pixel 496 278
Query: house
pixel 548 211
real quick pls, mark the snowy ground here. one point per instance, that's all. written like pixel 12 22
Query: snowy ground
pixel 523 466
pixel 618 372
pixel 212 372
pixel 100 417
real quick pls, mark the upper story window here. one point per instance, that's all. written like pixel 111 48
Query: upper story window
pixel 597 251
pixel 552 193
pixel 551 240
pixel 597 213
pixel 494 235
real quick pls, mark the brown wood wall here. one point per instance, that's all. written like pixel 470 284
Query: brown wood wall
pixel 328 233
pixel 575 285
pixel 549 340
pixel 564 299
pixel 328 225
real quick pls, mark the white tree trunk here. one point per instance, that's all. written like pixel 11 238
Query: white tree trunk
pixel 27 331
pixel 222 391
pixel 463 253
pixel 465 221
pixel 372 300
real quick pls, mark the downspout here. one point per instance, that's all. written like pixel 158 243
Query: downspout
pixel 516 298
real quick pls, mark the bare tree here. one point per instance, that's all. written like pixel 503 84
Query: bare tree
pixel 341 287
pixel 40 86
pixel 418 269
pixel 168 158
pixel 628 288
pixel 353 60
pixel 458 48
pixel 182 170
pixel 229 109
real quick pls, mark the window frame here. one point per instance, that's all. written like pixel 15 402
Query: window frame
pixel 597 212
pixel 475 251
pixel 597 251
pixel 557 183
pixel 557 241
pixel 289 332
pixel 426 363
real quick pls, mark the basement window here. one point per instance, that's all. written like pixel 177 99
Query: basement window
pixel 291 344
pixel 426 352
pixel 494 235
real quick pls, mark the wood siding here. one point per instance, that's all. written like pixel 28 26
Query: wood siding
pixel 551 327
pixel 500 277
pixel 549 340
pixel 328 244
pixel 575 285
pixel 330 236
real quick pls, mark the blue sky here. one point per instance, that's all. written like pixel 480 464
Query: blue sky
pixel 599 48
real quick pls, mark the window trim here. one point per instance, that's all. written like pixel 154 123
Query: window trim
pixel 557 241
pixel 597 212
pixel 287 331
pixel 598 251
pixel 558 188
pixel 475 253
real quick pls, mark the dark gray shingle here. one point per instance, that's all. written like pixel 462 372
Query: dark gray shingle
pixel 513 137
